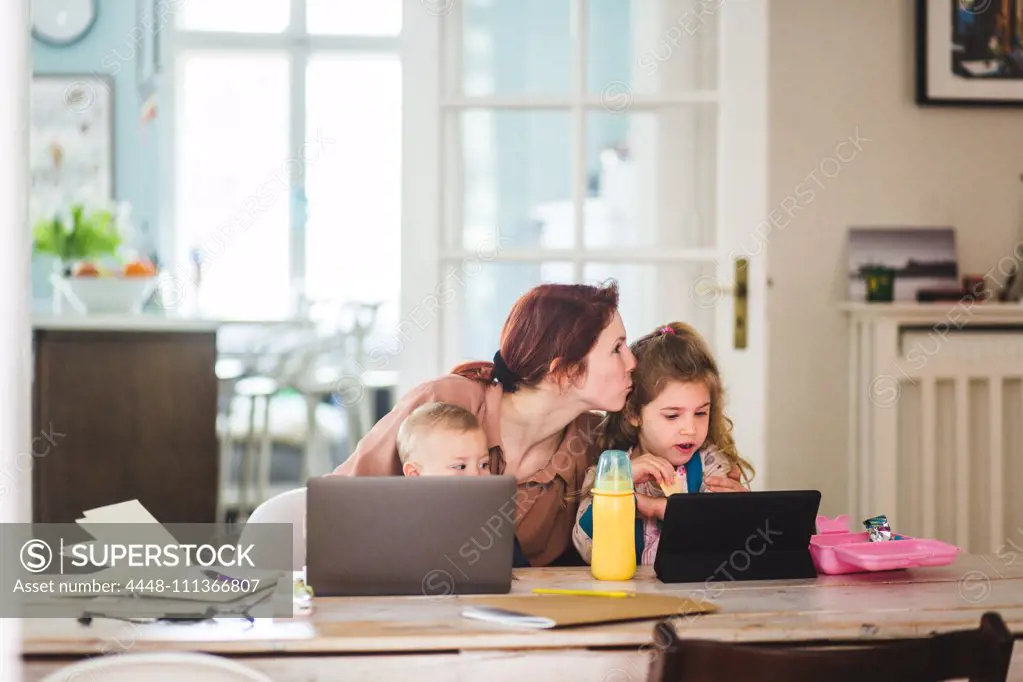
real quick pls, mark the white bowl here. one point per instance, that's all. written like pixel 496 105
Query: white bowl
pixel 107 295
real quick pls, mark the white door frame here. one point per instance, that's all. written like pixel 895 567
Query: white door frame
pixel 15 326
pixel 429 294
pixel 418 354
pixel 742 214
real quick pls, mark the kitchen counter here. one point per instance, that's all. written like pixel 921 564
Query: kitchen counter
pixel 134 399
pixel 147 323
pixel 123 323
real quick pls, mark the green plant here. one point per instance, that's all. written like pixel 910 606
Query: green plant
pixel 89 235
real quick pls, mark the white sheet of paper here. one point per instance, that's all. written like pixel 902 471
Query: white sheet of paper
pixel 130 511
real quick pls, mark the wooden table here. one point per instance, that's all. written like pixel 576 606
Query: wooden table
pixel 424 638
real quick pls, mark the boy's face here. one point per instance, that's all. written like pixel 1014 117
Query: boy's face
pixel 441 451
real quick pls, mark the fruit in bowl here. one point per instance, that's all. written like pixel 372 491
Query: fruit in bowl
pixel 85 269
pixel 82 241
pixel 122 291
pixel 140 268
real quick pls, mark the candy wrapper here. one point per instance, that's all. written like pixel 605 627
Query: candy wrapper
pixel 878 528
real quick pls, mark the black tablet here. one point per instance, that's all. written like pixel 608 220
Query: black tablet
pixel 723 537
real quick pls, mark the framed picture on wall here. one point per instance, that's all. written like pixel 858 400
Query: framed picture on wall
pixel 71 142
pixel 969 52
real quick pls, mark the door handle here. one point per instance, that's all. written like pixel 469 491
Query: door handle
pixel 741 303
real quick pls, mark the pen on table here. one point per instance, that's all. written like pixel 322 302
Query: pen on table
pixel 585 593
pixel 213 575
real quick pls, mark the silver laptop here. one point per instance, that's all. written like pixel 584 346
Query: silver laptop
pixel 418 535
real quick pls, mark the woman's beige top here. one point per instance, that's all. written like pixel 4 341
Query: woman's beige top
pixel 545 503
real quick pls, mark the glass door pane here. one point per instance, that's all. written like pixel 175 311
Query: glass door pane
pixel 652 295
pixel 476 296
pixel 514 172
pixel 652 46
pixel 233 178
pixel 514 47
pixel 353 178
pixel 653 178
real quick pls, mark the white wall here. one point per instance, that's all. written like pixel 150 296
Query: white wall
pixel 838 66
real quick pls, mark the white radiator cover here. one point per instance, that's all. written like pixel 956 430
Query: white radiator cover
pixel 936 422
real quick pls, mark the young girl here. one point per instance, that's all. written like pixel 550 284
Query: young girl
pixel 678 438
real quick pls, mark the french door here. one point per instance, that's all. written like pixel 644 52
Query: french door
pixel 581 140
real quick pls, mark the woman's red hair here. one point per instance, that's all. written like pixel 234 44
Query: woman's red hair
pixel 550 325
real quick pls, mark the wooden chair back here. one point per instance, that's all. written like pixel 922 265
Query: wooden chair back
pixel 980 655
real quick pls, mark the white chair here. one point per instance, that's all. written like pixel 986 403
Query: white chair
pixel 169 667
pixel 288 507
pixel 312 376
pixel 259 391
pixel 228 370
pixel 252 386
pixel 328 362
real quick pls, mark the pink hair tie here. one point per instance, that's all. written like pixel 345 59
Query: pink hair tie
pixel 667 330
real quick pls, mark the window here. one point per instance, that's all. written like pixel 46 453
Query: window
pixel 232 201
pixel 287 152
pixel 354 17
pixel 247 16
pixel 354 187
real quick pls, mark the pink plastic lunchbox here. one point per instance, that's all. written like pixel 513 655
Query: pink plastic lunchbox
pixel 835 550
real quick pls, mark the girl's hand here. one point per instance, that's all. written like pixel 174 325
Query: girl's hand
pixel 651 507
pixel 726 484
pixel 651 468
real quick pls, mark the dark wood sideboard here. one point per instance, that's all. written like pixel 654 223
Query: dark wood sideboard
pixel 131 415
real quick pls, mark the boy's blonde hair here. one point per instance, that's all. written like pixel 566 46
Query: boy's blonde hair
pixel 674 352
pixel 429 416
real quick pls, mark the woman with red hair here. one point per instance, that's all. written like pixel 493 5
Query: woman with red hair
pixel 563 356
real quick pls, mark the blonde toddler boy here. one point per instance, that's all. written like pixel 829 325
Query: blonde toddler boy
pixel 439 439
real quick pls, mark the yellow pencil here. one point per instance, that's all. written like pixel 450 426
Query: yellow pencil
pixel 585 593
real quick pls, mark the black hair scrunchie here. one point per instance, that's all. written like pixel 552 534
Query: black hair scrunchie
pixel 507 378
